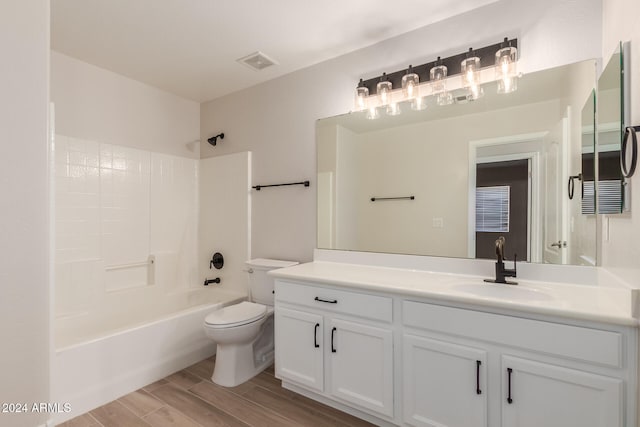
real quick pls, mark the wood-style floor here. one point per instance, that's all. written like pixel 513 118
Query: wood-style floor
pixel 189 399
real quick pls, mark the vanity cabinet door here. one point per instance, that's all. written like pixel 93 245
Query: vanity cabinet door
pixel 361 365
pixel 445 384
pixel 537 394
pixel 299 348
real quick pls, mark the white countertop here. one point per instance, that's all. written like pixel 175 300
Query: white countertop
pixel 583 302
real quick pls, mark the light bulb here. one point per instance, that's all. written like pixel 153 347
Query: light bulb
pixel 444 98
pixel 410 83
pixel 438 76
pixel 418 103
pixel 372 113
pixel 393 109
pixel 470 68
pixel 475 92
pixel 506 72
pixel 362 93
pixel 383 88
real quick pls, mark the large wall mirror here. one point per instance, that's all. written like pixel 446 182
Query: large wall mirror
pixel 449 180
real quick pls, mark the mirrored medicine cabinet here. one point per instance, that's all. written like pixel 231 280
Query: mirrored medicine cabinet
pixel 612 112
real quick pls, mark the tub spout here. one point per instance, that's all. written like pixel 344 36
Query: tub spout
pixel 208 281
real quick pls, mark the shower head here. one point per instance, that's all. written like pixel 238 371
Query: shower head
pixel 214 138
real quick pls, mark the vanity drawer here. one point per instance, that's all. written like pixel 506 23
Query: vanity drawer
pixel 573 342
pixel 327 299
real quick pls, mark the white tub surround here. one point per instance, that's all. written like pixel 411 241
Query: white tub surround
pixel 400 346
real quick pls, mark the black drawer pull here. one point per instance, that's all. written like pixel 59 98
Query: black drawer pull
pixel 333 331
pixel 509 399
pixel 330 301
pixel 315 336
pixel 478 363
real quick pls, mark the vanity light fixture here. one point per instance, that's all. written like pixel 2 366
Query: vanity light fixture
pixel 470 70
pixel 383 94
pixel 506 70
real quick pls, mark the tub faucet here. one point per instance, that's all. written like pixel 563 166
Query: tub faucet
pixel 501 272
pixel 208 281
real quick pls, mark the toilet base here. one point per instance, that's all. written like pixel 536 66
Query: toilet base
pixel 235 364
pixel 239 362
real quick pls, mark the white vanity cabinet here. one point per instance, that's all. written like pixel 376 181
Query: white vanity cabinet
pixel 300 355
pixel 336 343
pixel 543 394
pixel 395 358
pixel 444 383
pixel 536 373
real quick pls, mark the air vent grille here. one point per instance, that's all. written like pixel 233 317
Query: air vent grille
pixel 257 61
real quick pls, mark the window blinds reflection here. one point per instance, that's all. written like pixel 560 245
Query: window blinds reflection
pixel 610 197
pixel 492 209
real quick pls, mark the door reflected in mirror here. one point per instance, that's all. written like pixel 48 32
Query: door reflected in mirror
pixel 476 170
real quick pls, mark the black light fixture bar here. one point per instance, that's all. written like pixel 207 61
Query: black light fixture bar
pixel 486 55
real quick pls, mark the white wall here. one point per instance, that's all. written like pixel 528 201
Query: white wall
pixel 95 104
pixel 225 209
pixel 621 251
pixel 276 120
pixel 24 203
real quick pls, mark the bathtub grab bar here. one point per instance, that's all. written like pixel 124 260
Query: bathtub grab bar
pixel 149 261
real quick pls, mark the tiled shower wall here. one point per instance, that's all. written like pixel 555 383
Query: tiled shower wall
pixel 126 221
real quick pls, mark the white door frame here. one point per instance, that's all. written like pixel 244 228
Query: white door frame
pixel 534 214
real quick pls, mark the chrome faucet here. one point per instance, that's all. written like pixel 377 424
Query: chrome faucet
pixel 501 272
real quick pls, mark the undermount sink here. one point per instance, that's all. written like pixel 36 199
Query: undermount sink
pixel 503 291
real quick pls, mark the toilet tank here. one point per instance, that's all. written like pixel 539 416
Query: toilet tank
pixel 260 284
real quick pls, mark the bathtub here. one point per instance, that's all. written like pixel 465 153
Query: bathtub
pixel 98 370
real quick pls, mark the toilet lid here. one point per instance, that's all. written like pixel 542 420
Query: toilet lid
pixel 236 315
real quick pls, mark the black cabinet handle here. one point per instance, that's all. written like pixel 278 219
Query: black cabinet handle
pixel 315 336
pixel 478 363
pixel 509 399
pixel 330 301
pixel 333 349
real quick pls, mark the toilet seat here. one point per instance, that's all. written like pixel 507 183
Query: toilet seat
pixel 236 315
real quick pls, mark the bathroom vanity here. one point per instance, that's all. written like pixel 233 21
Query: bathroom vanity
pixel 411 343
pixel 410 347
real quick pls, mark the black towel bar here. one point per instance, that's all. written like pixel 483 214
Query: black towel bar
pixel 375 199
pixel 259 187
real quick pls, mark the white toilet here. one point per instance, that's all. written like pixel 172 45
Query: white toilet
pixel 244 331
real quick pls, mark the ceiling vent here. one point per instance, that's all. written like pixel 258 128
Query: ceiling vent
pixel 463 99
pixel 257 61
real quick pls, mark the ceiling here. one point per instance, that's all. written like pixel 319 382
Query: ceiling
pixel 190 47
